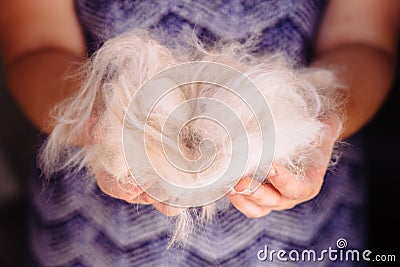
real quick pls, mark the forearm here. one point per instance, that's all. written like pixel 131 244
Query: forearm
pixel 40 79
pixel 367 73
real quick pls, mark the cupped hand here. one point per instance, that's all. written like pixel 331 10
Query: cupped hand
pixel 127 191
pixel 283 190
pixel 131 193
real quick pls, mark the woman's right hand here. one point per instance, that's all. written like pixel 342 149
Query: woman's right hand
pixel 131 193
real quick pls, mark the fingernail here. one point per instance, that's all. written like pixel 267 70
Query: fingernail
pixel 232 192
pixel 246 192
pixel 272 172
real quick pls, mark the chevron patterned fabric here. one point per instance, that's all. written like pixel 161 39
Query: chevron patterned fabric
pixel 72 223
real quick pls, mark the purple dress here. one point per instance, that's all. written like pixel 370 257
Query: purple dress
pixel 72 223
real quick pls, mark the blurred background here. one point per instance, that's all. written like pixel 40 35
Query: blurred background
pixel 18 139
pixel 17 143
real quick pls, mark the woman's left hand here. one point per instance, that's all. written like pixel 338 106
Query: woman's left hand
pixel 283 190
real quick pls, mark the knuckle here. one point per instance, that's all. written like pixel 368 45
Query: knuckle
pixel 279 181
pixel 296 195
pixel 105 189
pixel 274 201
pixel 313 193
pixel 289 205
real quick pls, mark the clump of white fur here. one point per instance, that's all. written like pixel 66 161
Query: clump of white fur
pixel 92 119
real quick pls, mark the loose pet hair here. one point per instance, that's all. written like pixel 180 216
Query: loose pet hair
pixel 89 125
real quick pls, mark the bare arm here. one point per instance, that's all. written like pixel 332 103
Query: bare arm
pixel 359 39
pixel 41 43
pixel 39 39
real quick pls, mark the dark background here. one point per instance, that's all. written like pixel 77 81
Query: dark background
pixel 383 146
pixel 17 143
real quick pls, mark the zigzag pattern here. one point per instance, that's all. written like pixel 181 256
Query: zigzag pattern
pixel 74 224
pixel 288 25
pixel 135 234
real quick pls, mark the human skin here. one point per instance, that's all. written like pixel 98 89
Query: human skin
pixel 41 42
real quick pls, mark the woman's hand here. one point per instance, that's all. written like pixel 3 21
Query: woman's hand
pixel 282 189
pixel 131 193
pixel 360 39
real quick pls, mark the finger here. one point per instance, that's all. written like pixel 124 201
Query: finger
pixel 295 188
pixel 143 198
pixel 112 187
pixel 247 207
pixel 167 209
pixel 265 195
